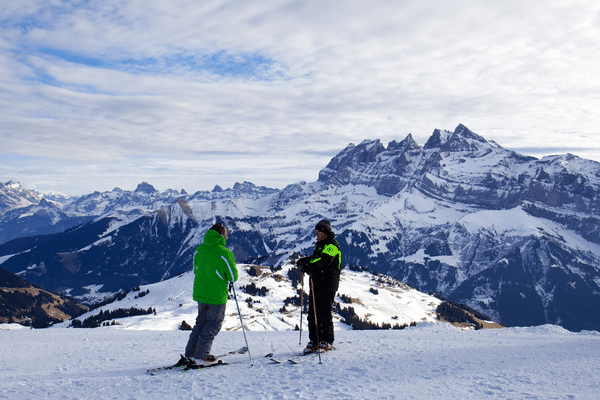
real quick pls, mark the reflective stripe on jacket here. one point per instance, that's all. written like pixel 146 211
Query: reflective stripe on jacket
pixel 330 250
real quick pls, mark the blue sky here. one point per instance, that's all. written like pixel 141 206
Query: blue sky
pixel 185 94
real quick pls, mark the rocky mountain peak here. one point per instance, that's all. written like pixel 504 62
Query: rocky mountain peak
pixel 352 157
pixel 48 204
pixel 11 184
pixel 146 188
pixel 408 144
pixel 244 187
pixel 13 195
pixel 462 139
pixel 402 163
pixel 437 139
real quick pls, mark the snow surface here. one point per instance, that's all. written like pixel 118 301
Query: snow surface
pixel 432 360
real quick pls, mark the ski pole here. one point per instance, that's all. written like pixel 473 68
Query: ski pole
pixel 242 322
pixel 314 304
pixel 301 307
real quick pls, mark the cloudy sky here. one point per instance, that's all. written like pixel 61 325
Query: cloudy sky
pixel 187 94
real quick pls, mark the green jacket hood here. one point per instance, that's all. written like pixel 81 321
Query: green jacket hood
pixel 213 238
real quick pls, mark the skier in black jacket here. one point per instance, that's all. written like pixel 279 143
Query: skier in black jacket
pixel 324 268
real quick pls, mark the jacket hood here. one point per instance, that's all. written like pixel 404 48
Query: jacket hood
pixel 213 238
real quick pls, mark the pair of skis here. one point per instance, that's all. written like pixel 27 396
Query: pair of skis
pixel 299 358
pixel 183 366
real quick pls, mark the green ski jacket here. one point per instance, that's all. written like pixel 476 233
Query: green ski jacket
pixel 214 268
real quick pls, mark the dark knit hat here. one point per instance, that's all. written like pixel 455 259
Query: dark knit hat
pixel 324 226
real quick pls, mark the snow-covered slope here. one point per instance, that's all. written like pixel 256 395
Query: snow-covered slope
pixel 429 361
pixel 375 298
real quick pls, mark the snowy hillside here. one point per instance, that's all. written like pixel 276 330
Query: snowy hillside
pixel 394 303
pixel 429 361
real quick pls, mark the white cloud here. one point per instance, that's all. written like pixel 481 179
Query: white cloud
pixel 263 82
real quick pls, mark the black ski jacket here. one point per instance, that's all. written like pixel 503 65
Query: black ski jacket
pixel 324 266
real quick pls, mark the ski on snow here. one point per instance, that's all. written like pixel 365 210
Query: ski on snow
pixel 299 358
pixel 183 366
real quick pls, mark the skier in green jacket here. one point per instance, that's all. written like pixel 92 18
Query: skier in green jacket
pixel 214 269
pixel 324 268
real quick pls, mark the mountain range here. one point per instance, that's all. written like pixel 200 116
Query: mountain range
pixel 512 236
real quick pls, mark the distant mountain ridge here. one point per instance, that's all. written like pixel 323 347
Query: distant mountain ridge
pixel 510 235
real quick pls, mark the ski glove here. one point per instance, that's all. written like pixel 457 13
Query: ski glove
pixel 304 265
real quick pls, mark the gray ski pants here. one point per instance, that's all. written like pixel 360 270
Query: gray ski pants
pixel 208 324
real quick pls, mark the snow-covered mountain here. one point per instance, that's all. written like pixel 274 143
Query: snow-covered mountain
pixel 512 236
pixel 13 195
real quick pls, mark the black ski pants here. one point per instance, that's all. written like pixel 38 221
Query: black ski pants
pixel 323 299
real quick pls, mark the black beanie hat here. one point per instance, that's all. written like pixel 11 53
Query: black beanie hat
pixel 324 226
